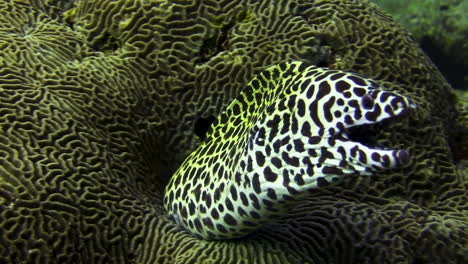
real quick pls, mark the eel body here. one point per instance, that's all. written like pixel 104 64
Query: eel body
pixel 282 137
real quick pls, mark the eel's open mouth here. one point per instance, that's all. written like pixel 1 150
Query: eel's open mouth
pixel 366 135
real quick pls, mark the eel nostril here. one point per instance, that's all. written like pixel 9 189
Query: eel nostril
pixel 367 101
pixel 403 156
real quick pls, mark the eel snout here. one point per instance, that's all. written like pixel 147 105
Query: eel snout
pixel 364 153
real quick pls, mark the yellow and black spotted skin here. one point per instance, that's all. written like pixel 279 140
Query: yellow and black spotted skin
pixel 284 135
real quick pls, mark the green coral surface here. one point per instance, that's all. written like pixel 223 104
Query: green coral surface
pixel 100 101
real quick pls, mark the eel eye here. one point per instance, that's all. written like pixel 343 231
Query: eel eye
pixel 367 101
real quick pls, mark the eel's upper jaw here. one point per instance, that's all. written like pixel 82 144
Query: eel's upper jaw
pixel 392 104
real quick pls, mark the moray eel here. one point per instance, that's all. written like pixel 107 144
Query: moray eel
pixel 282 137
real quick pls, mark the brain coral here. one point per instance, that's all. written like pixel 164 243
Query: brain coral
pixel 101 100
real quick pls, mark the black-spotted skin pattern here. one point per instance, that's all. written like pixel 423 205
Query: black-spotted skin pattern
pixel 284 135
